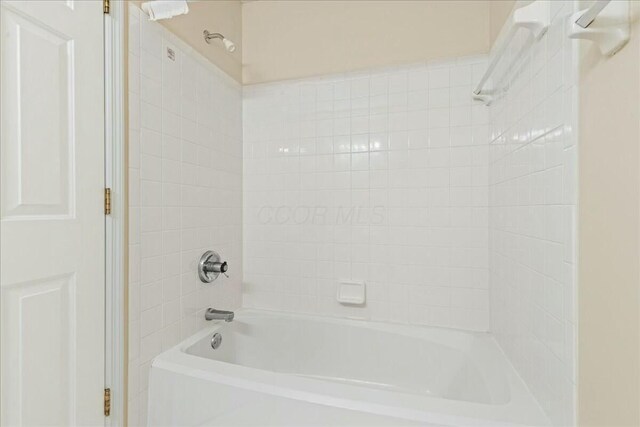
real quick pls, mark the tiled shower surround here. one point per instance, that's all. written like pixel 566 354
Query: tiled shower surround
pixel 532 214
pixel 453 213
pixel 377 176
pixel 185 183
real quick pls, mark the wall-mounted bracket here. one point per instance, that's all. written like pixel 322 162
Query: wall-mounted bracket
pixel 486 99
pixel 535 17
pixel 608 25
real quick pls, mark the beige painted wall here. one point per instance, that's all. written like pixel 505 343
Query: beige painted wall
pixel 217 16
pixel 292 39
pixel 609 230
pixel 499 11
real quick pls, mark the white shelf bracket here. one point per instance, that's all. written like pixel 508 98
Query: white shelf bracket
pixel 535 17
pixel 486 99
pixel 609 28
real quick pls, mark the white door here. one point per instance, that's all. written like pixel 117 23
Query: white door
pixel 51 213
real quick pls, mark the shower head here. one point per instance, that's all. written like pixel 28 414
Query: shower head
pixel 231 46
pixel 228 44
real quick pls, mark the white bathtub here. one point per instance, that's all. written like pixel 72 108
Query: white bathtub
pixel 283 369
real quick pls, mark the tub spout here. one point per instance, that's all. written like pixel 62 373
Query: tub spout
pixel 213 314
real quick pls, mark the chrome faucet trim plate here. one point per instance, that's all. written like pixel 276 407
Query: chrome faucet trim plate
pixel 210 267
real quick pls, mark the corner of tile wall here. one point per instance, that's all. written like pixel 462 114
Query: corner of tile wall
pixel 532 215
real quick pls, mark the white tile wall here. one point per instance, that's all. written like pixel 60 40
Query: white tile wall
pixel 379 176
pixel 532 215
pixel 185 177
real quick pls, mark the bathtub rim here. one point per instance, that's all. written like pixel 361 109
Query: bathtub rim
pixel 522 409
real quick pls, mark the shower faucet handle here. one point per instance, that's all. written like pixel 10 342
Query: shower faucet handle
pixel 211 266
pixel 215 266
pixel 221 268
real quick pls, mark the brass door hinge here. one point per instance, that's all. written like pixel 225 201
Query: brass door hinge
pixel 107 402
pixel 107 201
pixel 105 6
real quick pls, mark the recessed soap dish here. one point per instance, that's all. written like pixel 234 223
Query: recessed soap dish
pixel 351 293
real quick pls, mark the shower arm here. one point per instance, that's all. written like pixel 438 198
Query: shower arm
pixel 210 36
